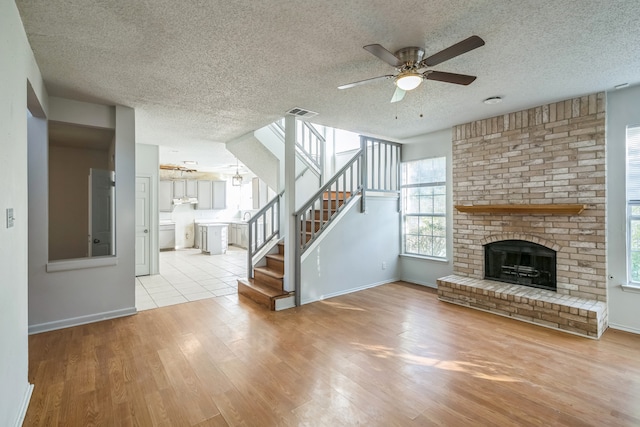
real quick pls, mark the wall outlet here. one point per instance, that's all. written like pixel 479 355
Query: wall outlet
pixel 384 265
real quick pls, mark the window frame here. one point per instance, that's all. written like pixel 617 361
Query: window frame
pixel 631 201
pixel 432 214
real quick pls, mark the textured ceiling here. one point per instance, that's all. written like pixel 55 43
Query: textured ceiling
pixel 199 72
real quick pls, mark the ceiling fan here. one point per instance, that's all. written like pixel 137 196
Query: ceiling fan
pixel 412 68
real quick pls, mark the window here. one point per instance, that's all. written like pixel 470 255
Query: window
pixel 424 202
pixel 633 204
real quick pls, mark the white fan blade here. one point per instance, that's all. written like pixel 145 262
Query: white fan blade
pixel 398 95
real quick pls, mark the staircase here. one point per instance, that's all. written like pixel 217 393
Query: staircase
pixel 266 286
pixel 318 218
pixel 372 168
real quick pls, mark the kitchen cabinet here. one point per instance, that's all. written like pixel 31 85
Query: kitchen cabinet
pixel 213 238
pixel 239 235
pixel 219 195
pixel 165 196
pixel 204 195
pixel 191 188
pixel 179 188
pixel 232 234
pixel 211 194
pixel 167 236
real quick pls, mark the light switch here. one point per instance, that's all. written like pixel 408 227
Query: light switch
pixel 9 217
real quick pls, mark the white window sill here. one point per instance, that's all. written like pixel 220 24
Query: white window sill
pixel 81 263
pixel 424 257
pixel 631 288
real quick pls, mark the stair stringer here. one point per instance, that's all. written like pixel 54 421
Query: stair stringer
pixel 254 155
pixel 349 255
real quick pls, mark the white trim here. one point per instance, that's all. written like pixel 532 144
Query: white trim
pixel 348 291
pixel 624 328
pixel 285 303
pixel 81 263
pixel 631 288
pixel 425 257
pixel 80 320
pixel 421 283
pixel 25 405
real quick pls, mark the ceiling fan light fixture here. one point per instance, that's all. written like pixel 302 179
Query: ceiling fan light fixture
pixel 409 80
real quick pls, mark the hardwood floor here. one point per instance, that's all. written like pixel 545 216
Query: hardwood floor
pixel 388 356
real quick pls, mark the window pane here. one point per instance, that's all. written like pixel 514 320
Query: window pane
pixel 425 204
pixel 635 267
pixel 411 225
pixel 439 226
pixel 439 247
pixel 633 206
pixel 440 204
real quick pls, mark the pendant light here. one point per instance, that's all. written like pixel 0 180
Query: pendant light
pixel 236 181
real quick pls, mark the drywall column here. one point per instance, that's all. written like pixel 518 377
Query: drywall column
pixel 289 201
pixel 21 88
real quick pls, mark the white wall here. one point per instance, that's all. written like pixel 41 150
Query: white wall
pixel 349 257
pixel 307 184
pixel 64 298
pixel 18 66
pixel 419 270
pixel 256 157
pixel 623 108
pixel 148 165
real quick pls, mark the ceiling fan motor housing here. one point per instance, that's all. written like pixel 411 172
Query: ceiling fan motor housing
pixel 410 55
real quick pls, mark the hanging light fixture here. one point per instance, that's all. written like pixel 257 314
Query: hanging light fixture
pixel 236 181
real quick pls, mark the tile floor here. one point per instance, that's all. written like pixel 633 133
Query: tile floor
pixel 188 275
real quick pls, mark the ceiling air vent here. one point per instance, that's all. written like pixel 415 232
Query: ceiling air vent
pixel 301 112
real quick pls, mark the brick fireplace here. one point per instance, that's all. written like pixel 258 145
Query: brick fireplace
pixel 537 159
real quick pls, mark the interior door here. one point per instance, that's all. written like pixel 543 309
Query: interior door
pixel 100 212
pixel 143 229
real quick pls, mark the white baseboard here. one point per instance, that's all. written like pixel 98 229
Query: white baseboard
pixel 421 283
pixel 624 328
pixel 25 405
pixel 348 291
pixel 81 320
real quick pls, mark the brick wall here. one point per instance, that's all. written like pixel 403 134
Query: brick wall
pixel 553 153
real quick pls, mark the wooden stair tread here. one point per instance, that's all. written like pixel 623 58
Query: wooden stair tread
pixel 277 257
pixel 263 289
pixel 269 272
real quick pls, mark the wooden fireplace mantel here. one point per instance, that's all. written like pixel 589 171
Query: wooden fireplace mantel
pixel 547 209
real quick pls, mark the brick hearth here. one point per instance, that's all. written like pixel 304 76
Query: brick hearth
pixel 546 308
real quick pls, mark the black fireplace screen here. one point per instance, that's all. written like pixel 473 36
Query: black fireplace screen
pixel 520 262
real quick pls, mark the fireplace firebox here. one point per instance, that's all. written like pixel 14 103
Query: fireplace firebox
pixel 520 262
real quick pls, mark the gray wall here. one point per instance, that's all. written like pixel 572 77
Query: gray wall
pixel 623 108
pixel 18 68
pixel 82 295
pixel 350 256
pixel 420 270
